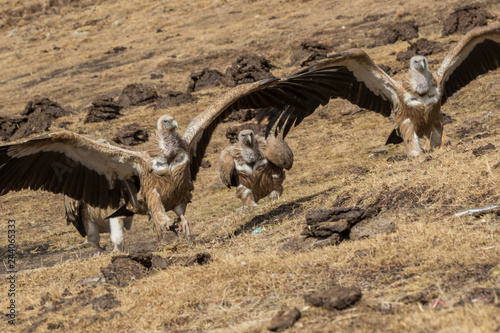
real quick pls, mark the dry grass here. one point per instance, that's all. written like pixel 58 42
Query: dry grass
pixel 251 279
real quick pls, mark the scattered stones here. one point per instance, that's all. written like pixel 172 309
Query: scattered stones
pixel 337 298
pixel 308 53
pixel 483 150
pixel 103 108
pixel 131 135
pixel 207 78
pixel 247 69
pixel 115 50
pixel 137 94
pixel 37 117
pixel 465 18
pixel 233 131
pixel 397 31
pixel 420 47
pixel 284 320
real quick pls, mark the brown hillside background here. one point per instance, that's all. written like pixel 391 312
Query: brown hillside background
pixel 434 273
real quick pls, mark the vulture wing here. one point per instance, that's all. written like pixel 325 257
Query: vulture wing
pixel 475 54
pixel 73 210
pixel 65 162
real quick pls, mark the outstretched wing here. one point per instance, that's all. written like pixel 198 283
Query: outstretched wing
pixel 65 162
pixel 73 211
pixel 475 54
pixel 351 75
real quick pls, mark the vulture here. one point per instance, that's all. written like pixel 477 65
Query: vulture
pixel 91 222
pixel 415 102
pixel 255 166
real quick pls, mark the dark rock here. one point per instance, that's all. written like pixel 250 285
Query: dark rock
pixel 207 78
pixel 465 18
pixel 233 132
pixel 122 270
pixel 105 302
pixel 483 150
pixel 337 298
pixel 284 320
pixel 131 135
pixel 308 53
pixel 137 94
pixel 420 47
pixel 205 164
pixel 397 31
pixel 247 69
pixel 372 227
pixel 115 50
pixel 37 117
pixel 156 76
pixel 102 109
pixel 174 98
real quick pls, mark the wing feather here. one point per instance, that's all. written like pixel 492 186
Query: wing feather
pixel 65 162
pixel 227 168
pixel 475 54
pixel 73 212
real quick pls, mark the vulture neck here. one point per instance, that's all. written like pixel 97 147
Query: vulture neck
pixel 166 144
pixel 420 82
pixel 250 154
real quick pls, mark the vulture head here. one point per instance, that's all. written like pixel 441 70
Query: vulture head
pixel 246 138
pixel 167 125
pixel 419 63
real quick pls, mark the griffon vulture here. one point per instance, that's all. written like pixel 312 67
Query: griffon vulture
pixel 255 165
pixel 92 221
pixel 416 102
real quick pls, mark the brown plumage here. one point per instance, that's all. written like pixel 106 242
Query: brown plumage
pixel 416 102
pixel 255 165
pixel 91 222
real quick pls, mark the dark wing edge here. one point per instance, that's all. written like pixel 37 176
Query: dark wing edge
pixel 350 75
pixel 73 212
pixel 476 53
pixel 67 163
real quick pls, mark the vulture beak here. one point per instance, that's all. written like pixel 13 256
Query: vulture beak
pixel 250 139
pixel 176 125
pixel 422 63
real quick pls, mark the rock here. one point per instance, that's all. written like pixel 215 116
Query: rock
pixel 131 135
pixel 465 18
pixel 37 117
pixel 372 227
pixel 397 31
pixel 207 78
pixel 173 98
pixel 483 150
pixel 247 69
pixel 420 47
pixel 102 109
pixel 284 320
pixel 309 52
pixel 137 94
pixel 337 298
pixel 122 270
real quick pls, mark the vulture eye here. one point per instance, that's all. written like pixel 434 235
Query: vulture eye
pixel 165 122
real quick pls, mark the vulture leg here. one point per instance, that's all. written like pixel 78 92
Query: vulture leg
pixel 410 138
pixel 161 222
pixel 116 233
pixel 93 236
pixel 436 137
pixel 184 224
pixel 246 195
pixel 278 177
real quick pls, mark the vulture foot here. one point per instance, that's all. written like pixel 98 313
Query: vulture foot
pixel 274 195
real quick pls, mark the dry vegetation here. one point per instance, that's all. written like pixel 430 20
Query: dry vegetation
pixel 57 49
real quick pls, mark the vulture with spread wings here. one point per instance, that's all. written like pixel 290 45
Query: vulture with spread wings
pixel 255 166
pixel 416 102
